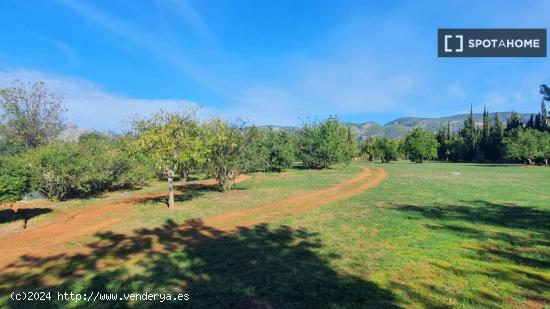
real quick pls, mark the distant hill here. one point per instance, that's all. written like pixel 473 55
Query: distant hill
pixel 72 132
pixel 399 127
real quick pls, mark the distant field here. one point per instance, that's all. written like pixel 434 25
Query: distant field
pixel 428 235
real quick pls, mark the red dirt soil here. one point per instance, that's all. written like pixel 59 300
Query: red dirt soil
pixel 50 238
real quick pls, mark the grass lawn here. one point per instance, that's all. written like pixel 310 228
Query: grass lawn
pixel 430 235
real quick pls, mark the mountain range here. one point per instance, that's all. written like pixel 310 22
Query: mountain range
pixel 398 128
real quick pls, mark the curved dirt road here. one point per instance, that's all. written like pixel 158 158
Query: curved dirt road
pixel 298 203
pixel 49 238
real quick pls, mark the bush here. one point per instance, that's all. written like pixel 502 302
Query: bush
pixel 387 150
pixel 321 145
pixel 15 180
pixel 280 146
pixel 528 145
pixel 94 164
pixel 420 145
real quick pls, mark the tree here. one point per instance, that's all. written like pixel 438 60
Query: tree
pixel 368 149
pixel 531 122
pixel 15 180
pixel 255 149
pixel 321 145
pixel 469 134
pixel 281 149
pixel 485 135
pixel 420 145
pixel 31 114
pixel 513 122
pixel 351 144
pixel 442 136
pixel 174 142
pixel 387 149
pixel 496 146
pixel 525 144
pixel 227 156
pixel 456 148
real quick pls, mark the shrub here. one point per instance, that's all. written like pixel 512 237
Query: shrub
pixel 387 150
pixel 15 180
pixel 420 145
pixel 323 144
pixel 94 164
pixel 280 146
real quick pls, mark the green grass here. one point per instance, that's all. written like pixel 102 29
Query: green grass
pixel 431 235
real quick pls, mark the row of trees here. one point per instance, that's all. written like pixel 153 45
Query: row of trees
pixel 178 144
pixel 492 141
pixel 167 145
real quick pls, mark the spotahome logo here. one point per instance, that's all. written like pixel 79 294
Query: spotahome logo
pixel 491 42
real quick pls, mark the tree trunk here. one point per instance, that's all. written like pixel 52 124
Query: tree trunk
pixel 171 202
pixel 545 161
pixel 529 161
pixel 170 177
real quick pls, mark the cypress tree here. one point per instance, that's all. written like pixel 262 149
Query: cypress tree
pixel 514 122
pixel 442 137
pixel 531 123
pixel 469 134
pixel 485 134
pixel 496 140
pixel 538 123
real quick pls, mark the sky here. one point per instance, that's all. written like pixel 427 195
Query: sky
pixel 266 62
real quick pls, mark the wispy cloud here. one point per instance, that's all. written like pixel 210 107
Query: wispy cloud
pixel 192 17
pixel 92 107
pixel 148 40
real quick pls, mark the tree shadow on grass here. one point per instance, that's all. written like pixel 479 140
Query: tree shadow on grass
pixel 24 214
pixel 512 242
pixel 184 193
pixel 256 267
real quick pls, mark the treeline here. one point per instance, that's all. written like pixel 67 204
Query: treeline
pixel 492 141
pixel 167 146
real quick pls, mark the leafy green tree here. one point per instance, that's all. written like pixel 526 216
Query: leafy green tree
pixel 62 172
pixel 255 149
pixel 351 143
pixel 526 144
pixel 227 156
pixel 281 149
pixel 30 114
pixel 456 148
pixel 174 142
pixel 15 180
pixel 387 149
pixel 323 144
pixel 368 149
pixel 420 145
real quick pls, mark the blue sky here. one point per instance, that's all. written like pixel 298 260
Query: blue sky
pixel 268 62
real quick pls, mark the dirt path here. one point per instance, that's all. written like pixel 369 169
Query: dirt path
pixel 73 225
pixel 296 204
pixel 84 222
